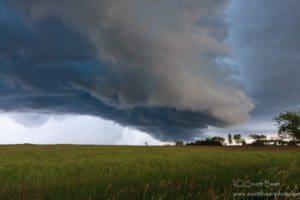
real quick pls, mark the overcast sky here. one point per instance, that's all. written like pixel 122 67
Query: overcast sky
pixel 136 71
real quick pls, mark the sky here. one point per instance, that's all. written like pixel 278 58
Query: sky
pixel 136 71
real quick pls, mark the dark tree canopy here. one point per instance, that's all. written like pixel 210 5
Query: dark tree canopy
pixel 259 139
pixel 237 138
pixel 288 124
pixel 214 141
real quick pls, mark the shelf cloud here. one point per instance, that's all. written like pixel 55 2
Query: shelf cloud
pixel 157 66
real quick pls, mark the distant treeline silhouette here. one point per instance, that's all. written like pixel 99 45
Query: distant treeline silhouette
pixel 214 141
pixel 288 124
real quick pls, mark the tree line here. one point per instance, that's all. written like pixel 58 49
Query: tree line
pixel 288 124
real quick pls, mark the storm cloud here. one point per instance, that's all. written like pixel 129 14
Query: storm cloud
pixel 264 36
pixel 157 66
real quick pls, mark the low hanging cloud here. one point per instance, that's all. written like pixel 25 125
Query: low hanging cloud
pixel 153 65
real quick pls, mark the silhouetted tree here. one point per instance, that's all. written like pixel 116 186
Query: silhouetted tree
pixel 179 143
pixel 229 139
pixel 259 140
pixel 237 138
pixel 244 142
pixel 288 125
pixel 218 140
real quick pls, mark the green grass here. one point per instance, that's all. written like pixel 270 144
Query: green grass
pixel 120 172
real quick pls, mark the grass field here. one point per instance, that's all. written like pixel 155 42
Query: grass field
pixel 120 172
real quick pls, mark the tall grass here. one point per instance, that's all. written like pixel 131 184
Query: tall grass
pixel 107 172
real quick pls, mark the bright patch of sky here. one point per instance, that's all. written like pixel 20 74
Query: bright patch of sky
pixel 68 129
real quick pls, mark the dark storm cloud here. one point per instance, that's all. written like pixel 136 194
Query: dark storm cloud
pixel 266 47
pixel 150 65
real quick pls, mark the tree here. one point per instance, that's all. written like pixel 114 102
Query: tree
pixel 237 138
pixel 229 139
pixel 288 125
pixel 214 141
pixel 220 140
pixel 259 139
pixel 244 142
pixel 178 143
